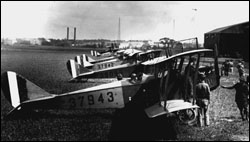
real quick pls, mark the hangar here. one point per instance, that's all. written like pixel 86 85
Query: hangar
pixel 232 41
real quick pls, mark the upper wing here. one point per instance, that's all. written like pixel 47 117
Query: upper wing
pixel 164 59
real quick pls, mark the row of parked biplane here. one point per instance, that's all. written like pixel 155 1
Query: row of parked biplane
pixel 157 78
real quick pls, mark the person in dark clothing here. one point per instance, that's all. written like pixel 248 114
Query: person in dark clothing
pixel 231 65
pixel 241 97
pixel 188 81
pixel 248 88
pixel 240 68
pixel 203 99
pixel 222 70
pixel 226 67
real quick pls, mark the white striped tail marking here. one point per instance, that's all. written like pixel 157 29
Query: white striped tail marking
pixel 73 68
pixel 13 86
pixel 78 60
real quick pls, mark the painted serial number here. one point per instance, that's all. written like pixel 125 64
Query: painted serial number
pixel 90 100
pixel 106 65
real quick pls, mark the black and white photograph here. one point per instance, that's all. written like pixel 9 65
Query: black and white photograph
pixel 124 70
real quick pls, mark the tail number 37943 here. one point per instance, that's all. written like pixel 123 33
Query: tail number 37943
pixel 91 99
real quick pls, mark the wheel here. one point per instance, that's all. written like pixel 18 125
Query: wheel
pixel 119 76
pixel 188 116
pixel 83 80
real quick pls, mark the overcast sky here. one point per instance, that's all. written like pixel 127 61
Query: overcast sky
pixel 139 19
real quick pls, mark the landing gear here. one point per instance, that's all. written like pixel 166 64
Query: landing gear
pixel 188 116
pixel 119 76
pixel 83 80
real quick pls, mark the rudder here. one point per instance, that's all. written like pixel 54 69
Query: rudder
pixel 84 60
pixel 17 89
pixel 95 53
pixel 75 69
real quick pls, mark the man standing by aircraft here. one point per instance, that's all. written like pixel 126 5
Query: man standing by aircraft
pixel 203 100
pixel 241 97
pixel 189 76
pixel 240 68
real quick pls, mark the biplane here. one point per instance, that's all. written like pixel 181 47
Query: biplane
pixel 112 49
pixel 107 53
pixel 126 61
pixel 124 65
pixel 87 61
pixel 161 92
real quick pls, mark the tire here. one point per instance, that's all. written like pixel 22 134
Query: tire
pixel 188 116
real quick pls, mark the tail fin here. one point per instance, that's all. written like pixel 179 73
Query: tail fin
pixel 17 89
pixel 89 59
pixel 94 53
pixel 84 60
pixel 75 69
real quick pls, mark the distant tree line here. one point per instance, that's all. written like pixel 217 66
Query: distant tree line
pixel 55 42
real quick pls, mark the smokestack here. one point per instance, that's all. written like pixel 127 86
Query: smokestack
pixel 67 33
pixel 119 30
pixel 75 36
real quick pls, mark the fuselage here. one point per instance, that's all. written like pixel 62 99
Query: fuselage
pixel 126 66
pixel 111 95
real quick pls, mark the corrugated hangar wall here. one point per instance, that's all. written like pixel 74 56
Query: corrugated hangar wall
pixel 232 41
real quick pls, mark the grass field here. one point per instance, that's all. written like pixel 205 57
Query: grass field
pixel 47 69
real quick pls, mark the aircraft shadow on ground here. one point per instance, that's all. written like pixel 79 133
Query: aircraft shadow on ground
pixel 39 114
pixel 132 123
